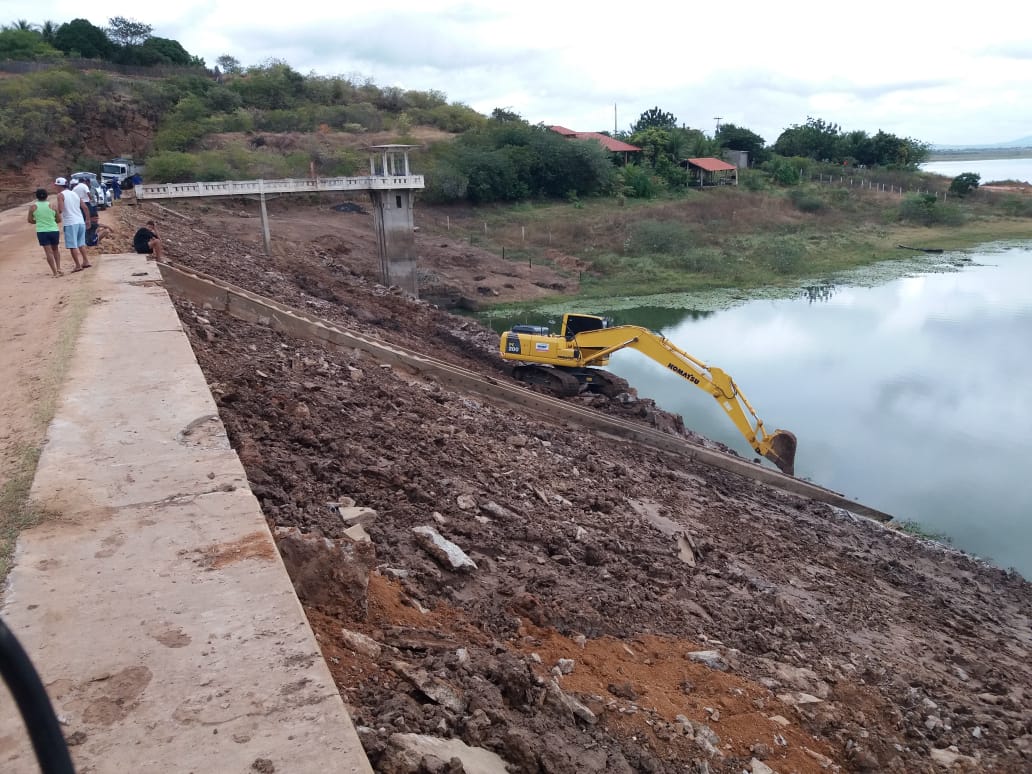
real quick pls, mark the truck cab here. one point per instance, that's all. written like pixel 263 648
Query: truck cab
pixel 118 170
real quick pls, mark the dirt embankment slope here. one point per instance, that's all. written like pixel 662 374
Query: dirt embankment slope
pixel 599 566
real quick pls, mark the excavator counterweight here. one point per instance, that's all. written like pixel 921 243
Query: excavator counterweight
pixel 570 361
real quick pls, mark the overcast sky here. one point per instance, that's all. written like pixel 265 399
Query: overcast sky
pixel 937 72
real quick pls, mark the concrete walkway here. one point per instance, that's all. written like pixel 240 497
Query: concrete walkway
pixel 152 599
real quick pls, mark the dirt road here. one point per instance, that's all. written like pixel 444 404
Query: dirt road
pixel 39 320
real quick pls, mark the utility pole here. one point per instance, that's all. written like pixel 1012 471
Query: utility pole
pixel 615 129
pixel 717 119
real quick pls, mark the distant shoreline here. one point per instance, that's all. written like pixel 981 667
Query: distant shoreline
pixel 985 154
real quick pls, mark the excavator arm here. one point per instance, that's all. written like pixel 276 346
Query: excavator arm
pixel 594 347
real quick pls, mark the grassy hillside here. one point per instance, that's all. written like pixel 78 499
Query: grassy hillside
pixel 734 237
pixel 265 121
pixel 790 218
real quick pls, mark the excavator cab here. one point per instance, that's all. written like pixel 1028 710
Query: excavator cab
pixel 580 323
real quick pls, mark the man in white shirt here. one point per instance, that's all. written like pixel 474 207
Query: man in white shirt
pixel 82 191
pixel 74 214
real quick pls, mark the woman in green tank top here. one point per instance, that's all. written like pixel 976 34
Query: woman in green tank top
pixel 48 233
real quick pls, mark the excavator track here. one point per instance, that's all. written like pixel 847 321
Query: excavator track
pixel 556 381
pixel 206 290
pixel 605 383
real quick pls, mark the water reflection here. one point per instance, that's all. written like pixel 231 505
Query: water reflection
pixel 657 318
pixel 910 396
pixel 654 318
pixel 818 293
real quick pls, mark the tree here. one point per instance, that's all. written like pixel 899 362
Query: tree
pixel 272 86
pixel 783 171
pixel 155 51
pixel 128 32
pixel 914 152
pixel 48 29
pixel 229 64
pixel 503 114
pixel 654 118
pixel 654 143
pixel 859 147
pixel 965 183
pixel 23 44
pixel 81 37
pixel 816 139
pixel 738 138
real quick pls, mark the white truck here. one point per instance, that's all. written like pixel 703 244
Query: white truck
pixel 118 170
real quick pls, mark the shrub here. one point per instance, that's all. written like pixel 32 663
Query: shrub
pixel 840 198
pixel 785 254
pixel 343 163
pixel 782 171
pixel 444 183
pixel 965 183
pixel 180 135
pixel 450 118
pixel 153 100
pixel 210 166
pixel 56 83
pixel 365 115
pixel 1017 206
pixel 171 167
pixel 223 100
pixel 698 262
pixel 806 200
pixel 237 121
pixel 280 121
pixel 927 210
pixel 637 182
pixel 662 237
pixel 753 180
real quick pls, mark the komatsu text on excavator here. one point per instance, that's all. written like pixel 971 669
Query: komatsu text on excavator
pixel 568 363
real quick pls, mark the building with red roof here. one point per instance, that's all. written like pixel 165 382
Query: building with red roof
pixel 710 171
pixel 611 144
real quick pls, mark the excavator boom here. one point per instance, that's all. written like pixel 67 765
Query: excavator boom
pixel 586 342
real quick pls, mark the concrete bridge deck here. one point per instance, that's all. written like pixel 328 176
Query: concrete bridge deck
pixel 288 185
pixel 152 600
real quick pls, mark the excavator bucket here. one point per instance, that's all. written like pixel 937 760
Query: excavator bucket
pixel 782 451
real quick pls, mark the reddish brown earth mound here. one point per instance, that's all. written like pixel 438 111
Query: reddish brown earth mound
pixel 600 567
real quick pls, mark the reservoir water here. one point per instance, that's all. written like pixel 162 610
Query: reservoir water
pixel 913 395
pixel 989 170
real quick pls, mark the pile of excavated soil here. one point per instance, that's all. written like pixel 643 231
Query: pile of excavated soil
pixel 616 608
pixel 334 235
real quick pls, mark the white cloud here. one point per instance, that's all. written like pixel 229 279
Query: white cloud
pixel 914 69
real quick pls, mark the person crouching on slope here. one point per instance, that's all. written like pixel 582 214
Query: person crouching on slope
pixel 147 242
pixel 96 231
pixel 47 231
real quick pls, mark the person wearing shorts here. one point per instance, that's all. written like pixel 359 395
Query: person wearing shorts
pixel 74 214
pixel 47 231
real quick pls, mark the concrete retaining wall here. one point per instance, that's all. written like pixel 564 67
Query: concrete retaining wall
pixel 152 600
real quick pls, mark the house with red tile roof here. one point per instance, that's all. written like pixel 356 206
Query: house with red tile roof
pixel 611 144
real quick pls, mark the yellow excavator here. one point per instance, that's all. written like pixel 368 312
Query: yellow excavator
pixel 568 363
